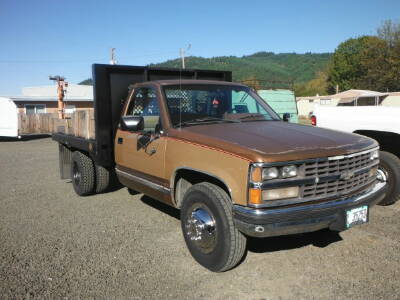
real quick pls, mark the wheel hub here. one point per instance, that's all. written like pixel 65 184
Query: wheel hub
pixel 201 227
pixel 76 174
pixel 382 175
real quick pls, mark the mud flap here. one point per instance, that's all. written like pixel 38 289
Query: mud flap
pixel 65 158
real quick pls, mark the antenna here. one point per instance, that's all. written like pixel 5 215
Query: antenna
pixel 113 61
pixel 182 53
pixel 180 98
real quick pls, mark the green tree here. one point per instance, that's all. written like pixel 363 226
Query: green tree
pixel 368 62
pixel 318 85
pixel 359 63
pixel 389 31
pixel 374 66
pixel 393 75
pixel 88 81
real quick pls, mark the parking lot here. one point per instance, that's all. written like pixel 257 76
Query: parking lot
pixel 55 244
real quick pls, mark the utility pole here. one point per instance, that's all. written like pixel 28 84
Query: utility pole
pixel 113 61
pixel 61 90
pixel 182 53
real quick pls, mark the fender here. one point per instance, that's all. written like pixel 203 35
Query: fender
pixel 173 177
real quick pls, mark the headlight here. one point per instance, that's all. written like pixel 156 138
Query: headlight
pixel 270 173
pixel 288 171
pixel 374 154
pixel 279 172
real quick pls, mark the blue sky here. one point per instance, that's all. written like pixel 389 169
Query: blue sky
pixel 40 38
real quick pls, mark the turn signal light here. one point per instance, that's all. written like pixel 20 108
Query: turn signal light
pixel 255 196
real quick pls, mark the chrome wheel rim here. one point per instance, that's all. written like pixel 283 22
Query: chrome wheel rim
pixel 382 174
pixel 201 228
pixel 76 174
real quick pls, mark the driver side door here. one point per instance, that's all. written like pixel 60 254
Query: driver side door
pixel 140 156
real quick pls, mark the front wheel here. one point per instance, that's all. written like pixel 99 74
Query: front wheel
pixel 390 166
pixel 208 228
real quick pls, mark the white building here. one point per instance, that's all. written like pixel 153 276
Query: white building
pixel 306 105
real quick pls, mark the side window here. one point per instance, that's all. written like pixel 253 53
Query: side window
pixel 40 108
pixel 69 109
pixel 31 109
pixel 367 101
pixel 145 104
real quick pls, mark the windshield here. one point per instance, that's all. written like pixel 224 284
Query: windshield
pixel 202 104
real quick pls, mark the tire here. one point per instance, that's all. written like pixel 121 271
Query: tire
pixel 390 164
pixel 82 174
pixel 102 179
pixel 218 246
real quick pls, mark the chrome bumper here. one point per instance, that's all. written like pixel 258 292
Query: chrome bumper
pixel 305 218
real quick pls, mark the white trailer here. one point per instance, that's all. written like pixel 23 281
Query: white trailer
pixel 8 118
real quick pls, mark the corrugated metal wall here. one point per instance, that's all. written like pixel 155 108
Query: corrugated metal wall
pixel 282 101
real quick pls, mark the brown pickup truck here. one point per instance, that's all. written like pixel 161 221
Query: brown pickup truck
pixel 216 151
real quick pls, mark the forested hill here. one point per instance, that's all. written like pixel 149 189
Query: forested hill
pixel 262 65
pixel 268 66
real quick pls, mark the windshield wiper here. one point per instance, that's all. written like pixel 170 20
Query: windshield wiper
pixel 255 117
pixel 204 120
pixel 251 116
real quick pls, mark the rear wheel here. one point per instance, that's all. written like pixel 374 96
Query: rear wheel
pixel 102 179
pixel 390 167
pixel 208 228
pixel 82 174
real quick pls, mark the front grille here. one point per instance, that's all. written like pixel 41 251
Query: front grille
pixel 336 187
pixel 329 167
pixel 331 181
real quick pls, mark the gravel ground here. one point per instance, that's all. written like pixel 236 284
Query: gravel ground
pixel 54 244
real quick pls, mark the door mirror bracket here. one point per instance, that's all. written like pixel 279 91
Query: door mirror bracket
pixel 286 117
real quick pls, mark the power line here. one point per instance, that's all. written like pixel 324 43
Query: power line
pixel 86 60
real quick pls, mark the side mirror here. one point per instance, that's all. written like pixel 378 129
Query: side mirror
pixel 132 123
pixel 286 117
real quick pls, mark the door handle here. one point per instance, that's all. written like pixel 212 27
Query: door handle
pixel 120 140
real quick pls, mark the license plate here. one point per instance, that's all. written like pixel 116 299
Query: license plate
pixel 357 216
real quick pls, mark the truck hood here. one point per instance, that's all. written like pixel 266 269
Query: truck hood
pixel 272 141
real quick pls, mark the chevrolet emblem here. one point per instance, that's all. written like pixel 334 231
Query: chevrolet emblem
pixel 346 175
